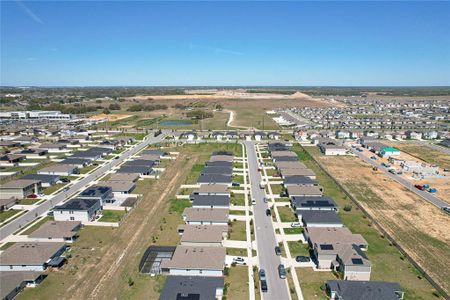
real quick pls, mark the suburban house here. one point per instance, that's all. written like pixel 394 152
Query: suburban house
pixel 212 189
pixel 349 290
pixel 214 178
pixel 83 210
pixel 312 203
pixel 54 148
pixel 389 151
pixel 31 256
pixel 222 157
pixel 192 287
pixel 218 135
pixel 217 170
pixel 159 153
pixel 330 147
pixel 190 135
pixel 59 169
pixel 104 194
pixel 20 188
pixel 141 170
pixel 274 135
pixel 299 180
pixel 219 164
pixel 205 216
pixel 321 218
pixel 339 249
pixel 66 230
pixel 202 235
pixel 46 180
pixel 78 162
pixel 119 187
pixel 13 282
pixel 124 177
pixel 210 201
pixel 35 153
pixel 304 191
pixel 12 158
pixel 196 261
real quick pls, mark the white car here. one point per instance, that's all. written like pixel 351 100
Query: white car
pixel 296 225
pixel 253 201
pixel 239 260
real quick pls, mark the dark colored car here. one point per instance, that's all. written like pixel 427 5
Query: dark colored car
pixel 235 184
pixel 65 180
pixel 264 286
pixel 262 275
pixel 268 212
pixel 281 271
pixel 277 251
pixel 302 258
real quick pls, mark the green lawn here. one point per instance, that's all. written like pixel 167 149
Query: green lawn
pixel 112 215
pixel 286 214
pixel 276 189
pixel 195 172
pixel 178 205
pixel 237 212
pixel 291 284
pixel 236 231
pixel 293 230
pixel 238 178
pixel 87 169
pixel 51 189
pixel 236 283
pixel 4 215
pixel 311 282
pixel 238 199
pixel 297 248
pixel 236 252
pixel 29 201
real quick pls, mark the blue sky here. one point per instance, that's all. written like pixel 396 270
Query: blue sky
pixel 225 43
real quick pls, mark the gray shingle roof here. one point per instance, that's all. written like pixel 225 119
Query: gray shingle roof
pixel 356 290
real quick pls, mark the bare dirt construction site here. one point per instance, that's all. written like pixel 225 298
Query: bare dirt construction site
pixel 419 227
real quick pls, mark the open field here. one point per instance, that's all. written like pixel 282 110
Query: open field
pixel 236 283
pixel 419 227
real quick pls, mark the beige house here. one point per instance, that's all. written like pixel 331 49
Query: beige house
pixel 19 189
pixel 203 235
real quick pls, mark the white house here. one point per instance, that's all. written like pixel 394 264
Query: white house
pixel 83 210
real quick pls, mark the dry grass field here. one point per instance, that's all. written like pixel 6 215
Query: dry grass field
pixel 419 227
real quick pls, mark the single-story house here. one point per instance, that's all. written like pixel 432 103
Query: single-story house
pixel 350 290
pixel 59 169
pixel 274 135
pixel 206 216
pixel 299 180
pixel 83 210
pixel 119 187
pixel 159 153
pixel 11 158
pixel 214 178
pixel 312 203
pixel 202 235
pixel 212 189
pixel 78 162
pixel 124 177
pixel 20 188
pixel 140 162
pixel 221 158
pixel 217 170
pixel 30 256
pixel 232 135
pixel 219 164
pixel 13 282
pixel 34 153
pixel 321 218
pixel 298 172
pixel 46 180
pixel 210 201
pixel 66 230
pixel 304 191
pixel 196 261
pixel 192 287
pixel 54 148
pixel 141 170
pixel 332 148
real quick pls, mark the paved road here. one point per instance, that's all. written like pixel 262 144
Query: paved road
pixel 265 234
pixel 406 183
pixel 29 216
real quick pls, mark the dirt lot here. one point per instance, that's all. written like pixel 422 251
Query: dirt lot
pixel 419 227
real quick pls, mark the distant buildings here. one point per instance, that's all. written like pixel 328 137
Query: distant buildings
pixel 35 115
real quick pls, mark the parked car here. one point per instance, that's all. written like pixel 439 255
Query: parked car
pixel 281 271
pixel 263 286
pixel 265 199
pixel 426 186
pixel 296 225
pixel 117 157
pixel 65 180
pixel 253 201
pixel 302 258
pixel 32 196
pixel 268 212
pixel 373 157
pixel 262 275
pixel 239 260
pixel 277 250
pixel 432 190
pixel 235 184
pixel 446 209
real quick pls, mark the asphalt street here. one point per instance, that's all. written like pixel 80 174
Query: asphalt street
pixel 265 234
pixel 29 216
pixel 406 183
